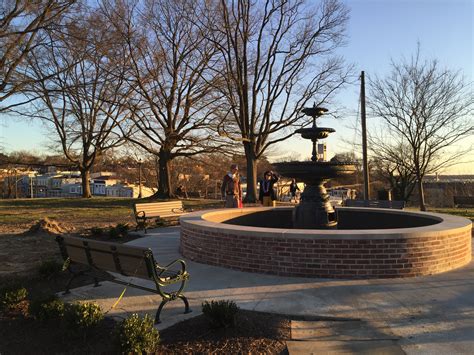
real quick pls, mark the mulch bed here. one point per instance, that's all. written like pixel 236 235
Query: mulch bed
pixel 255 332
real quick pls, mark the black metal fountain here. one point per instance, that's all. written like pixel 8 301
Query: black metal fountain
pixel 314 210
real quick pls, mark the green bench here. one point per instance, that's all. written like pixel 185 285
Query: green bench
pixel 463 201
pixel 157 210
pixel 375 204
pixel 85 256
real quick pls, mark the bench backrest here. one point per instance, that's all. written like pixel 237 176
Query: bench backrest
pixel 124 259
pixel 155 209
pixel 375 203
pixel 463 200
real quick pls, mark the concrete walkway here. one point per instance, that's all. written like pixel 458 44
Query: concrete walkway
pixel 423 315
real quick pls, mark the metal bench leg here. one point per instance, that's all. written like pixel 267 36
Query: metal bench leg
pixel 186 304
pixel 96 282
pixel 158 312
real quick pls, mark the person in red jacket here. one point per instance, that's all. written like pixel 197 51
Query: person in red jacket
pixel 231 188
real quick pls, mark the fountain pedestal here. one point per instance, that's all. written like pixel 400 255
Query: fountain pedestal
pixel 314 210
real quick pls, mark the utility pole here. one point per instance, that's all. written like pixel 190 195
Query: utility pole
pixel 364 137
pixel 31 187
pixel 140 178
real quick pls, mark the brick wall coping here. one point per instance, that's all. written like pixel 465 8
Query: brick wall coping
pixel 210 221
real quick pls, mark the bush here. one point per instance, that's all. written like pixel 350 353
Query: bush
pixel 119 231
pixel 11 296
pixel 50 267
pixel 97 231
pixel 84 315
pixel 221 314
pixel 47 308
pixel 114 232
pixel 123 229
pixel 138 335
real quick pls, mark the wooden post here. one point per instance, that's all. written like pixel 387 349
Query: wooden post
pixel 364 138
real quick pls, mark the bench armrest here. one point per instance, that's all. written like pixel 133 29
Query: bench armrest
pixel 163 269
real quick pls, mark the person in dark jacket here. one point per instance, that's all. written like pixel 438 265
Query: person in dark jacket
pixel 293 188
pixel 267 194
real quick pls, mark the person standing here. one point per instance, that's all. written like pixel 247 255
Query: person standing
pixel 293 188
pixel 267 194
pixel 231 188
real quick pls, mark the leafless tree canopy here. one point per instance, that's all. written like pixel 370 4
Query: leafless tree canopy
pixel 85 91
pixel 22 23
pixel 276 57
pixel 171 61
pixel 425 109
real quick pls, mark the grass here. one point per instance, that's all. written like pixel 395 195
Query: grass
pixel 462 212
pixel 17 215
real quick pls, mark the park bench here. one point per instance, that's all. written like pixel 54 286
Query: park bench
pixel 157 210
pixel 84 256
pixel 463 201
pixel 375 204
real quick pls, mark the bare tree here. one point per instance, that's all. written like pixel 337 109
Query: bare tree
pixel 175 105
pixel 21 25
pixel 277 56
pixel 83 98
pixel 392 164
pixel 425 109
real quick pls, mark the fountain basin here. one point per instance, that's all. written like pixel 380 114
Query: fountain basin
pixel 309 171
pixel 241 239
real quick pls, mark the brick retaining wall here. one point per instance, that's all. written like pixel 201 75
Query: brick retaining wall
pixel 330 256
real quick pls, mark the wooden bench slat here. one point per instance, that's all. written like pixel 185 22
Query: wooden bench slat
pixel 144 211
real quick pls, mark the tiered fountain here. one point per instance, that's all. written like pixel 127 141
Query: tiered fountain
pixel 314 210
pixel 307 241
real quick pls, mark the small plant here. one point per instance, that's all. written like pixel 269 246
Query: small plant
pixel 221 314
pixel 49 308
pixel 49 267
pixel 138 335
pixel 84 315
pixel 114 233
pixel 123 229
pixel 119 231
pixel 11 296
pixel 97 231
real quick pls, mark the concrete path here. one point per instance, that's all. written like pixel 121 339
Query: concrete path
pixel 423 315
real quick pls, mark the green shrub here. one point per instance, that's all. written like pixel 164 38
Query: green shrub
pixel 138 335
pixel 84 315
pixel 114 232
pixel 47 308
pixel 11 296
pixel 50 267
pixel 221 314
pixel 97 231
pixel 123 229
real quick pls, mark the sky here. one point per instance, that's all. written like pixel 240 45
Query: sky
pixel 378 31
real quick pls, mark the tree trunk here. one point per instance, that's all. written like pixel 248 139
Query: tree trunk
pixel 164 182
pixel 251 195
pixel 421 194
pixel 86 187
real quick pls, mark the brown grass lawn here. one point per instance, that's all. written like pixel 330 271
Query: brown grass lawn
pixel 18 215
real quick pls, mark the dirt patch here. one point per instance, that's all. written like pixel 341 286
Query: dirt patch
pixel 23 253
pixel 49 226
